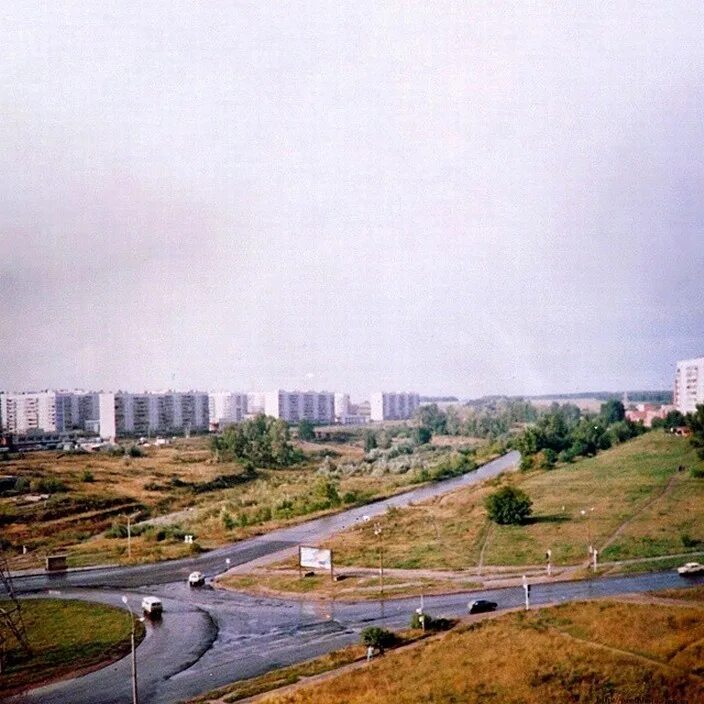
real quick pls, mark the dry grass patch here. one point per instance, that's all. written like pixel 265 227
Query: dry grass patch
pixel 527 658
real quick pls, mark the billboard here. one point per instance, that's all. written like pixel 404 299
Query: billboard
pixel 316 558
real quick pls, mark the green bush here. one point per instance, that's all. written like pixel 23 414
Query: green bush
pixel 378 638
pixel 227 520
pixel 47 485
pixel 431 624
pixel 87 476
pixel 135 451
pixel 697 472
pixel 508 506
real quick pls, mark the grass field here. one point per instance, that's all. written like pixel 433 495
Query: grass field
pixel 95 491
pixel 65 636
pixel 588 653
pixel 636 484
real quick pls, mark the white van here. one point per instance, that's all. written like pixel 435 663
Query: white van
pixel 152 606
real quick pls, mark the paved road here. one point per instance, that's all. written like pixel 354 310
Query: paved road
pixel 214 562
pixel 210 637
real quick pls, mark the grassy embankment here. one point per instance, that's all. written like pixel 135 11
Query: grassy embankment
pixel 91 492
pixel 595 652
pixel 65 637
pixel 635 489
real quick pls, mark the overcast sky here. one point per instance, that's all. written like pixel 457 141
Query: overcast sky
pixel 463 198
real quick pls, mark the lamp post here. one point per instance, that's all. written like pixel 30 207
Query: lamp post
pixel 586 516
pixel 378 533
pixel 135 696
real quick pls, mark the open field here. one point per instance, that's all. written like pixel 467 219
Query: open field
pixel 600 652
pixel 65 637
pixel 636 482
pixel 87 498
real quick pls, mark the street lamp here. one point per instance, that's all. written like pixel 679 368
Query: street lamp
pixel 378 533
pixel 135 697
pixel 586 516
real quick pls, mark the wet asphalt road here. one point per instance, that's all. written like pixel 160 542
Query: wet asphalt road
pixel 210 637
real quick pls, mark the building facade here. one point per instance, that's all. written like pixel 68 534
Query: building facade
pixel 294 406
pixel 689 384
pixel 226 407
pixel 48 411
pixel 393 405
pixel 123 413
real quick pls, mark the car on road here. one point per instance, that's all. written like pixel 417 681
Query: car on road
pixel 479 606
pixel 691 568
pixel 152 606
pixel 196 579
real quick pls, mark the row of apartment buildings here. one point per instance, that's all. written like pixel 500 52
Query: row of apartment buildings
pixel 121 413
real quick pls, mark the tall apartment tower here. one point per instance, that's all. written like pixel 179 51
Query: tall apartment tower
pixel 294 406
pixel 689 384
pixel 226 407
pixel 393 405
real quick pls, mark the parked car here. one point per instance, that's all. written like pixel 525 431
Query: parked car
pixel 479 606
pixel 196 579
pixel 691 568
pixel 152 606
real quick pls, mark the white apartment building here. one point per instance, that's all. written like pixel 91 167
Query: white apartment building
pixel 393 405
pixel 49 411
pixel 226 407
pixel 256 401
pixel 293 406
pixel 689 384
pixel 123 413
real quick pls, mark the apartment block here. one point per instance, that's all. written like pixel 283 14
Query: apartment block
pixel 226 407
pixel 689 385
pixel 49 411
pixel 294 406
pixel 123 413
pixel 393 405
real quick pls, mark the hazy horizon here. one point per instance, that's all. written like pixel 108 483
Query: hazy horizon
pixel 450 198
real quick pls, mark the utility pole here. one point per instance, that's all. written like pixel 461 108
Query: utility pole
pixel 378 532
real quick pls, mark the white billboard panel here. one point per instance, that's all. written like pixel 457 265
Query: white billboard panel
pixel 316 558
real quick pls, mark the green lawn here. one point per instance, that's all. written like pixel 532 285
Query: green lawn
pixel 619 485
pixel 65 636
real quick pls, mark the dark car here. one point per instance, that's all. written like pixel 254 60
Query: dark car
pixel 479 606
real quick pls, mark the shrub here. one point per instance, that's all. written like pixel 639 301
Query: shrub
pixel 431 624
pixel 688 541
pixel 697 472
pixel 135 451
pixel 378 638
pixel 227 520
pixel 87 476
pixel 21 485
pixel 47 485
pixel 508 506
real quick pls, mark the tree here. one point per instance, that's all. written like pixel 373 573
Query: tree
pixel 674 419
pixel 369 440
pixel 432 417
pixel 262 441
pixel 378 638
pixel 422 435
pixel 612 411
pixel 306 430
pixel 508 506
pixel 695 422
